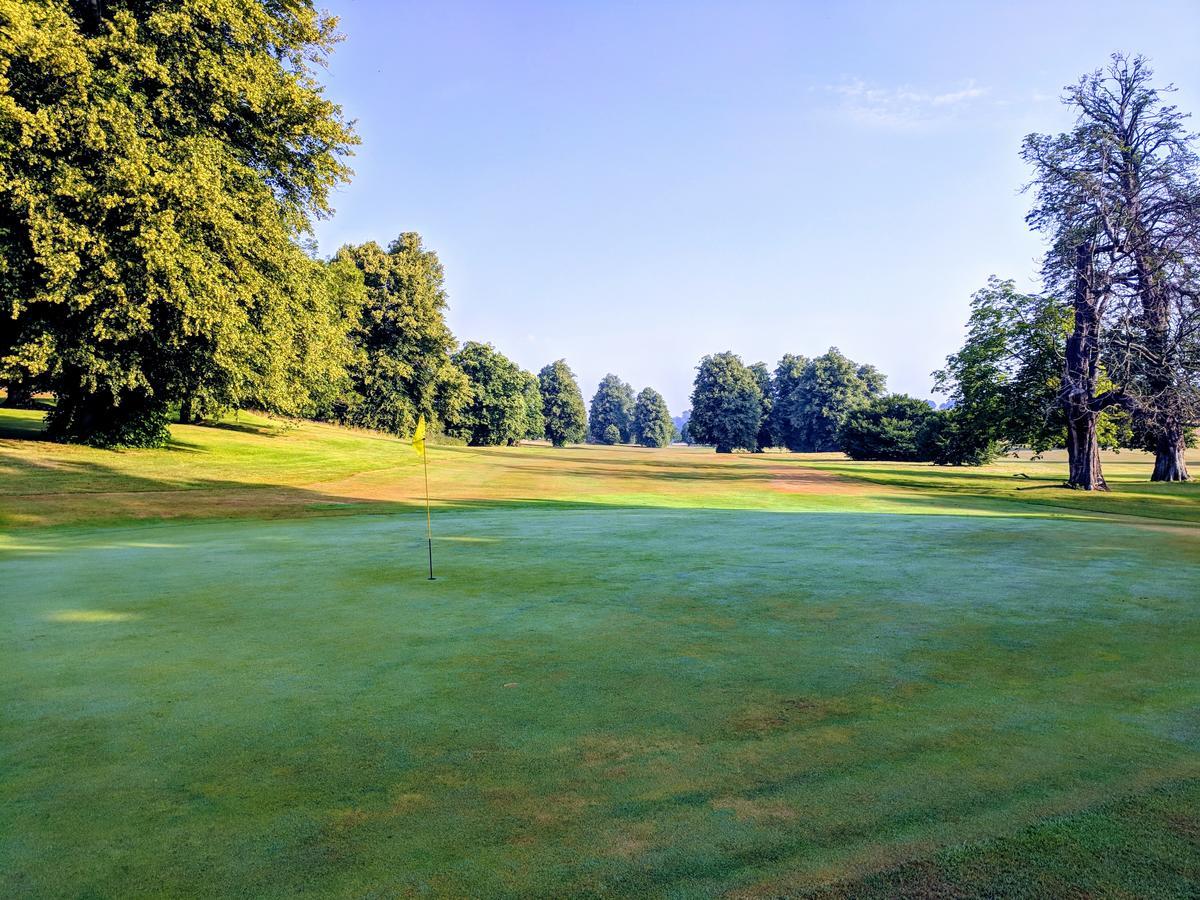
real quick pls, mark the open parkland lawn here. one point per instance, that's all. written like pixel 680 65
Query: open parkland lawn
pixel 639 673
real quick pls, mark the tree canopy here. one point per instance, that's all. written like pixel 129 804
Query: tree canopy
pixel 1005 381
pixel 815 395
pixel 784 385
pixel 565 419
pixel 403 368
pixel 612 404
pixel 1117 197
pixel 535 418
pixel 496 412
pixel 727 404
pixel 159 163
pixel 896 427
pixel 766 436
pixel 652 424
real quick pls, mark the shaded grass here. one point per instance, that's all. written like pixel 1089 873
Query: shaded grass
pixel 1142 846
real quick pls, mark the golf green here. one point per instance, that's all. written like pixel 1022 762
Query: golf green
pixel 601 700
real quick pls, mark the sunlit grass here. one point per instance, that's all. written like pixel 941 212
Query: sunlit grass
pixel 90 616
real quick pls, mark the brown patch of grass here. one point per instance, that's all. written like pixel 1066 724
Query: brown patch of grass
pixel 811 481
pixel 1186 826
pixel 348 819
pixel 745 809
pixel 632 841
pixel 558 809
pixel 607 750
pixel 788 713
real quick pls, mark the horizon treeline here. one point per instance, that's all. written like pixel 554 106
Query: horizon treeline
pixel 828 403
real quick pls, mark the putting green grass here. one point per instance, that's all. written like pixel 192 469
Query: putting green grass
pixel 640 673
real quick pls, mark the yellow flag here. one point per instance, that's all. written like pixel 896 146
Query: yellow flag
pixel 418 441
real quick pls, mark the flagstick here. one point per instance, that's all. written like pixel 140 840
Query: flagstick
pixel 428 517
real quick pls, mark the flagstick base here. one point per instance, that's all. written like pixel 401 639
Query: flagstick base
pixel 431 578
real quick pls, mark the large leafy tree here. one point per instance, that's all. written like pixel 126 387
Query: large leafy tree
pixel 158 162
pixel 726 404
pixel 652 424
pixel 820 396
pixel 562 404
pixel 496 412
pixel 1005 384
pixel 612 404
pixel 404 368
pixel 321 300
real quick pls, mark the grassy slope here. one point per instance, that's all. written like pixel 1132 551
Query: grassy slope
pixel 642 672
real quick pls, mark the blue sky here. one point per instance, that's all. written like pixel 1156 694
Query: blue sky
pixel 633 185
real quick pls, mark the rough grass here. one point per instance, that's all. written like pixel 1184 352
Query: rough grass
pixel 640 673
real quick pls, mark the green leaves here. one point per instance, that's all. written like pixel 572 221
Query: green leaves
pixel 1004 382
pixel 562 404
pixel 813 397
pixel 497 412
pixel 403 367
pixel 156 171
pixel 889 428
pixel 612 405
pixel 727 404
pixel 652 425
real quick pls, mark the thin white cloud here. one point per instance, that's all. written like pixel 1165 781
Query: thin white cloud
pixel 900 107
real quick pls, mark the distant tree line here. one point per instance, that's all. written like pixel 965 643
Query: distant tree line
pixel 617 417
pixel 825 404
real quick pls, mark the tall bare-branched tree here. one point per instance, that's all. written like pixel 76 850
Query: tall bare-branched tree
pixel 1118 196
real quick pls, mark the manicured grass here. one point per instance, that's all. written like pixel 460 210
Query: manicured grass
pixel 640 673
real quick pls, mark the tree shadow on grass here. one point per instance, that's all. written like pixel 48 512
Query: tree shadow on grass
pixel 267 429
pixel 29 425
pixel 650 473
pixel 601 454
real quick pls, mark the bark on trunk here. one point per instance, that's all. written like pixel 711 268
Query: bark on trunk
pixel 1080 376
pixel 1170 463
pixel 1083 452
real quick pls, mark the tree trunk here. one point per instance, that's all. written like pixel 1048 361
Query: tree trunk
pixel 19 395
pixel 1170 463
pixel 1081 359
pixel 185 410
pixel 1083 451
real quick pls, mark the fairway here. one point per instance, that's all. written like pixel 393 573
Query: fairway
pixel 760 676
